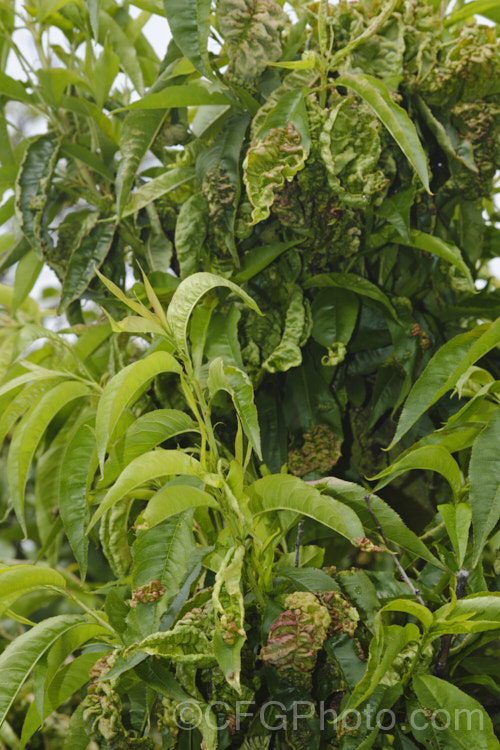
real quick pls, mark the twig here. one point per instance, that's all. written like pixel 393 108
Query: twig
pixel 444 651
pixel 297 543
pixel 394 556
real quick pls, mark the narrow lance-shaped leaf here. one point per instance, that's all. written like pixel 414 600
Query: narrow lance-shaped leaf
pixel 123 389
pixel 188 294
pixel 484 473
pixel 234 381
pixel 22 654
pixel 64 684
pixel 190 25
pixel 22 579
pixel 152 465
pixel 443 371
pixel 86 256
pixel 469 725
pixel 148 431
pixel 431 458
pixel 392 525
pixel 157 187
pixel 284 492
pixel 174 499
pixel 32 185
pixel 353 283
pixel 396 120
pixel 28 434
pixel 183 95
pixel 435 245
pixel 78 466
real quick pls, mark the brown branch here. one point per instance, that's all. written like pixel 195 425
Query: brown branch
pixel 394 556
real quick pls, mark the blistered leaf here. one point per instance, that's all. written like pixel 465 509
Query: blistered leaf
pixel 32 186
pixel 278 151
pixel 190 232
pixel 288 353
pixel 252 31
pixel 394 117
pixel 87 255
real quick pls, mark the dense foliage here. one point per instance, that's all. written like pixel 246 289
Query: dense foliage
pixel 266 477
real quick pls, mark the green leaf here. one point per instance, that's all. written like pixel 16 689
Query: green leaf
pixel 148 431
pixel 76 737
pixel 190 25
pixel 412 608
pixel 123 46
pixel 473 614
pixel 152 465
pixel 125 388
pixel 254 261
pixel 457 519
pixel 28 434
pixel 64 684
pixel 308 579
pixel 484 474
pixel 113 535
pixel 32 185
pixel 470 726
pixel 22 579
pixel 393 117
pixel 353 283
pixel 22 654
pixel 430 458
pixel 222 337
pixel 444 370
pixel 188 294
pixel 181 96
pixel 139 130
pixel 334 316
pixel 384 648
pixel 391 523
pixel 190 233
pixel 86 256
pixel 78 466
pixel 487 8
pixel 154 189
pixel 13 89
pixel 162 553
pixel 94 9
pixel 435 245
pixel 284 492
pixel 222 377
pixel 174 499
pixel 27 272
